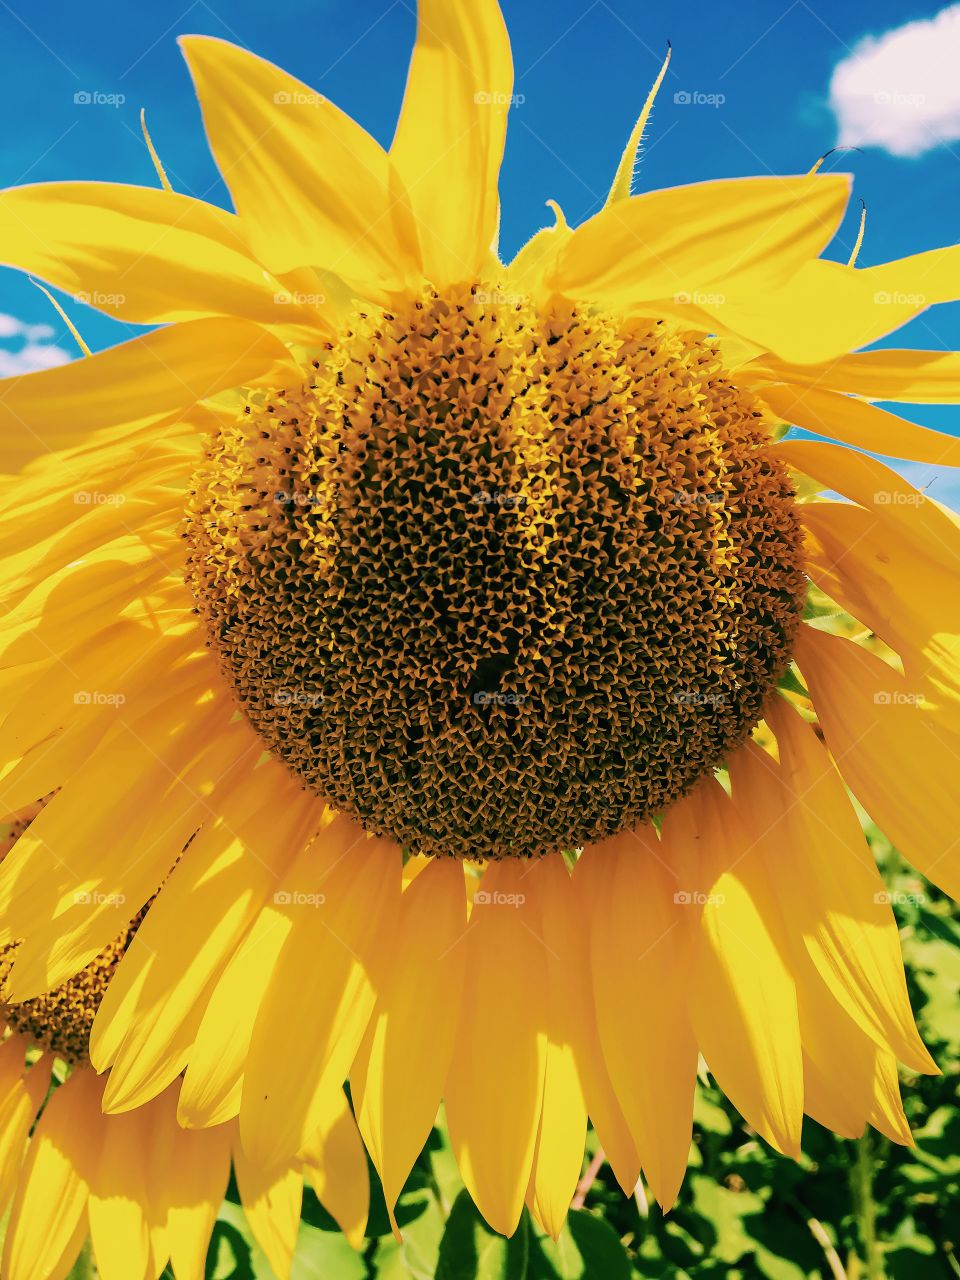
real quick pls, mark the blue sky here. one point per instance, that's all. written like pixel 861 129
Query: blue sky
pixel 583 70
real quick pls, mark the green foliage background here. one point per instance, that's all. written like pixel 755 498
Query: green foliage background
pixel 854 1209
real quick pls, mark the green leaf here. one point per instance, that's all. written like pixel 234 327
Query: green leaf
pixel 469 1250
pixel 587 1247
pixel 415 1257
pixel 319 1255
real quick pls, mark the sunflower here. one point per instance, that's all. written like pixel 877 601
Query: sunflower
pixel 428 640
pixel 141 1187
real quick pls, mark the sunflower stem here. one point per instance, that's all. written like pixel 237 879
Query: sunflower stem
pixel 862 1179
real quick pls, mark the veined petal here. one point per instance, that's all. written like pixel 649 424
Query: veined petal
pixel 913 377
pixel 893 750
pixel 743 996
pixel 271 1203
pixel 678 242
pixel 860 424
pixel 826 877
pixel 828 308
pixel 133 385
pixel 143 255
pixel 199 1171
pixel 636 939
pixel 558 1158
pixel 450 136
pixel 48 1210
pixel 342 913
pixel 19 1108
pixel 398 1076
pixel 336 1165
pixel 118 1195
pixel 312 188
pixel 150 1013
pixel 500 1037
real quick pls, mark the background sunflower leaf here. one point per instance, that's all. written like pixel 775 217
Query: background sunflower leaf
pixel 469 1250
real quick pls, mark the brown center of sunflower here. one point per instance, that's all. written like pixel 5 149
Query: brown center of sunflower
pixel 497 580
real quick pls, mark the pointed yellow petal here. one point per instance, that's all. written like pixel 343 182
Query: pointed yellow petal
pixel 860 424
pixel 200 1168
pixel 18 1111
pixel 48 1209
pixel 743 996
pixel 133 385
pixel 538 256
pixel 913 377
pixel 558 1158
pixel 449 140
pixel 336 1164
pixel 827 880
pixel 342 914
pixel 118 1195
pixel 271 1202
pixel 637 941
pixel 623 181
pixel 678 242
pixel 894 752
pixel 493 1130
pixel 144 256
pixel 312 187
pixel 398 1076
pixel 190 931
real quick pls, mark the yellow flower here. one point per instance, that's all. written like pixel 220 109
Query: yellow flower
pixel 383 547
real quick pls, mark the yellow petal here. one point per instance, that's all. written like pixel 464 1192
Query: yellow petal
pixel 538 256
pixel 893 750
pixel 335 1163
pixel 743 995
pixel 144 256
pixel 212 1083
pixel 48 1210
pixel 312 188
pixel 132 385
pixel 18 1110
pixel 827 880
pixel 200 1168
pixel 637 942
pixel 342 913
pixel 914 377
pixel 118 1195
pixel 863 425
pixel 558 1158
pixel 271 1202
pixel 827 308
pixel 678 242
pixel 449 140
pixel 201 913
pixel 493 1130
pixel 398 1076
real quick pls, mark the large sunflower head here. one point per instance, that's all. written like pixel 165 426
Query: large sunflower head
pixel 419 646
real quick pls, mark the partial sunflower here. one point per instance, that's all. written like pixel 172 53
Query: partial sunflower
pixel 141 1188
pixel 391 576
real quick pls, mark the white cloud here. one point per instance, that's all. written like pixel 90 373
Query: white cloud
pixel 31 348
pixel 901 90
